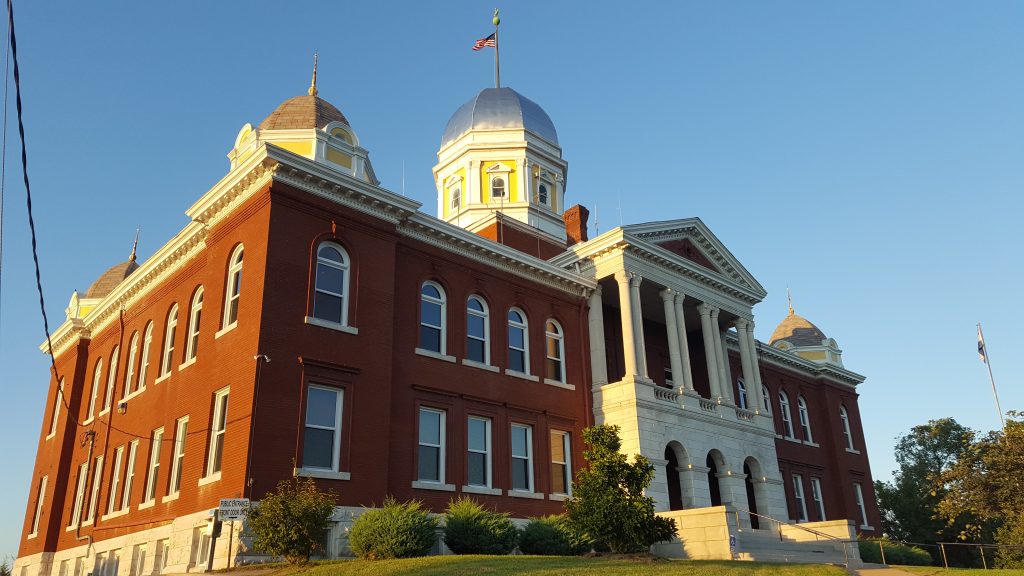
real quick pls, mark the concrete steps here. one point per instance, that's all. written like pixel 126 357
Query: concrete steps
pixel 766 546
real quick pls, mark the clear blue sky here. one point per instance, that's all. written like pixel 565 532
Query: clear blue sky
pixel 869 155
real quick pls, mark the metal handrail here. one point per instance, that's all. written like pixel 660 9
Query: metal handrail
pixel 846 552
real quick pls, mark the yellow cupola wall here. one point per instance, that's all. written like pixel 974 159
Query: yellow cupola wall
pixel 500 153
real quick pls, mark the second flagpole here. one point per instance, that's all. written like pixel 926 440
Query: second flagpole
pixel 497 57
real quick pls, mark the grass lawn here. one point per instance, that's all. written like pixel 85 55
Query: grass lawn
pixel 552 566
pixel 933 571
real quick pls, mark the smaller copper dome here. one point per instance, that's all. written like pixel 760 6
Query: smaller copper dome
pixel 798 331
pixel 303 112
pixel 111 279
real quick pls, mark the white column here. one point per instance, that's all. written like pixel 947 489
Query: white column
pixel 755 367
pixel 524 181
pixel 598 363
pixel 709 347
pixel 626 314
pixel 684 345
pixel 748 374
pixel 724 386
pixel 638 322
pixel 668 299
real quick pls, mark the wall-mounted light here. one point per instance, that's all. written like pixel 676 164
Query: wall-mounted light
pixel 122 407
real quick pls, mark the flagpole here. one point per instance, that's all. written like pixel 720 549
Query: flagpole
pixel 991 379
pixel 497 58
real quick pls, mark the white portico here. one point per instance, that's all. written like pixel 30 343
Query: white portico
pixel 671 305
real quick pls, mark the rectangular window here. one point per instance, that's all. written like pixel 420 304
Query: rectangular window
pixel 83 477
pixel 561 470
pixel 58 399
pixel 138 559
pixel 163 550
pixel 478 457
pixel 322 437
pixel 860 504
pixel 115 479
pixel 64 566
pixel 180 433
pixel 113 563
pixel 79 564
pixel 40 496
pixel 97 478
pixel 798 494
pixel 819 503
pixel 218 425
pixel 156 441
pixel 522 457
pixel 129 475
pixel 431 446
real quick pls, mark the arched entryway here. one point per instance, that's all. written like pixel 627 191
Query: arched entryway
pixel 675 492
pixel 714 462
pixel 751 465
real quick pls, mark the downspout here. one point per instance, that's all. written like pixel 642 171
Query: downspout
pixel 91 438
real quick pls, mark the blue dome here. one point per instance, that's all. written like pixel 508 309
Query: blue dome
pixel 499 109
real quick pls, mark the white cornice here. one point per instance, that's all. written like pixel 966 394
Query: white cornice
pixel 792 362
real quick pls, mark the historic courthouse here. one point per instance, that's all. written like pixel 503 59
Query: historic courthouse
pixel 309 322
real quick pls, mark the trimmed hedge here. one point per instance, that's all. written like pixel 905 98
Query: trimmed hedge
pixel 552 536
pixel 469 528
pixel 895 553
pixel 398 530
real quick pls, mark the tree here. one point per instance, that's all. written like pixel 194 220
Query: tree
pixel 291 521
pixel 5 568
pixel 608 502
pixel 986 486
pixel 909 504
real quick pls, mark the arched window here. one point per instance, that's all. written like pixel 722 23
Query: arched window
pixel 846 427
pixel 518 343
pixel 330 298
pixel 108 397
pixel 766 399
pixel 497 187
pixel 97 380
pixel 234 288
pixel 805 419
pixel 456 193
pixel 433 310
pixel 741 397
pixel 169 335
pixel 147 342
pixel 787 416
pixel 542 194
pixel 477 331
pixel 554 368
pixel 129 372
pixel 194 318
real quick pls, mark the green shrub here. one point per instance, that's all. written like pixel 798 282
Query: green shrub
pixel 398 530
pixel 469 528
pixel 291 521
pixel 895 553
pixel 552 536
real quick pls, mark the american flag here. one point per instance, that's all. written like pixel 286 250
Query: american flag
pixel 484 42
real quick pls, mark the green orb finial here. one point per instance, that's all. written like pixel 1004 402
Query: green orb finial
pixel 496 19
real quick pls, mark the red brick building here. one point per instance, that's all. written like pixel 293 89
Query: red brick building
pixel 309 322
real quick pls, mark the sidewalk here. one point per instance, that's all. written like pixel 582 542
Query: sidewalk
pixel 879 570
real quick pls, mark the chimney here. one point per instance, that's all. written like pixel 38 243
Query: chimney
pixel 575 219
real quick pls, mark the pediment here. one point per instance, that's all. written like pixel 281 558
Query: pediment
pixel 693 241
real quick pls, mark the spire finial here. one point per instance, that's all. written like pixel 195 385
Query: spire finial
pixel 135 245
pixel 789 296
pixel 312 86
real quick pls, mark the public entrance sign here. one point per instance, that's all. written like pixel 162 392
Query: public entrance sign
pixel 233 508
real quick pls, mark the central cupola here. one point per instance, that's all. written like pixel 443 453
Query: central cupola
pixel 500 155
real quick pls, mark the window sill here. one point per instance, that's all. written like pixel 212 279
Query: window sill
pixel 170 498
pixel 134 394
pixel 524 494
pixel 31 536
pixel 433 486
pixel 48 436
pixel 853 451
pixel 812 444
pixel 70 528
pixel 103 412
pixel 322 474
pixel 559 497
pixel 521 375
pixel 313 321
pixel 115 514
pixel 88 420
pixel 148 504
pixel 225 330
pixel 481 490
pixel 480 365
pixel 86 523
pixel 866 527
pixel 793 440
pixel 209 479
pixel 187 363
pixel 436 355
pixel 164 377
pixel 560 384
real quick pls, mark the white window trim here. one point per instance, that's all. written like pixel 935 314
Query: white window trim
pixel 220 398
pixel 766 399
pixel 486 315
pixel 58 399
pixel 336 444
pixel 129 373
pixel 847 431
pixel 97 380
pixel 94 496
pixel 153 470
pixel 170 333
pixel 432 354
pixel 76 512
pixel 558 336
pixel 231 295
pixel 441 448
pixel 787 415
pixel 195 320
pixel 859 492
pixel 115 480
pixel 559 384
pixel 488 457
pixel 567 448
pixel 178 457
pixel 805 420
pixel 40 498
pixel 818 498
pixel 475 364
pixel 129 476
pixel 525 327
pixel 499 170
pixel 443 302
pixel 321 473
pixel 530 487
pixel 346 268
pixel 801 498
pixel 741 396
pixel 147 343
pixel 108 398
